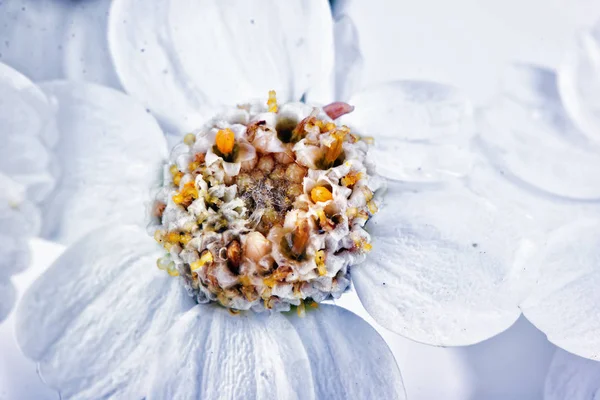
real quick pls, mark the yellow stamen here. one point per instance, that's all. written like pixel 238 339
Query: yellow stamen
pixel 372 207
pixel 351 179
pixel 193 166
pixel 159 235
pixel 299 237
pixel 320 261
pixel 177 178
pixel 272 102
pixel 189 139
pixel 225 141
pixel 173 169
pixel 334 150
pixel 185 238
pixel 178 198
pixel 351 212
pixel 173 272
pixel 205 258
pixel 320 193
pixel 328 127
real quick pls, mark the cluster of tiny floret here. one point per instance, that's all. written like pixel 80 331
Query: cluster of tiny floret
pixel 264 207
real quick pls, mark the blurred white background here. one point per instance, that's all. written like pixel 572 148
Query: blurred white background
pixel 466 43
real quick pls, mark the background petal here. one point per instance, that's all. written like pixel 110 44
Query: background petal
pixel 441 266
pixel 579 81
pixel 348 56
pixel 91 319
pixel 62 39
pixel 527 133
pixel 7 297
pixel 421 129
pixel 181 57
pixel 348 358
pixel 565 300
pixel 571 377
pixel 210 354
pixel 110 153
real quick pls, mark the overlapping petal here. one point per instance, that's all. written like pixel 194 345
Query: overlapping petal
pixel 579 81
pixel 441 266
pixel 527 133
pixel 565 299
pixel 110 152
pixel 27 132
pixel 181 57
pixel 210 354
pixel 421 129
pixel 348 358
pixel 571 377
pixel 103 321
pixel 92 319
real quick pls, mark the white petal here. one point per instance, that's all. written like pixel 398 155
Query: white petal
pixel 111 151
pixel 565 300
pixel 8 295
pixel 32 36
pixel 181 57
pixel 573 378
pixel 54 39
pixel 86 56
pixel 27 130
pixel 527 132
pixel 579 81
pixel 349 359
pixel 421 129
pixel 348 56
pixel 210 354
pixel 92 319
pixel 441 265
pixel 14 252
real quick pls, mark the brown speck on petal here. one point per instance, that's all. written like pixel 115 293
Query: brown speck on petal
pixel 337 109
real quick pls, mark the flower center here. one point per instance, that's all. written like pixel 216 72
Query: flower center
pixel 265 206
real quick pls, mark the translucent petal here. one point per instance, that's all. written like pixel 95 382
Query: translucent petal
pixel 210 354
pixel 571 377
pixel 92 319
pixel 110 154
pixel 181 57
pixel 441 267
pixel 527 133
pixel 349 359
pixel 421 129
pixel 579 82
pixel 14 252
pixel 565 299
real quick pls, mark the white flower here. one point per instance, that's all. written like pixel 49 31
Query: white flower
pixel 450 263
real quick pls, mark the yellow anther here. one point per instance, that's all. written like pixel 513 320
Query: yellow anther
pixel 172 237
pixel 185 238
pixel 193 166
pixel 272 102
pixel 320 193
pixel 177 178
pixel 351 179
pixel 329 126
pixel 270 282
pixel 334 150
pixel 173 272
pixel 320 261
pixel 173 169
pixel 368 194
pixel 189 190
pixel 205 258
pixel 178 198
pixel 372 207
pixel 159 235
pixel 245 280
pixel 189 139
pixel 225 141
